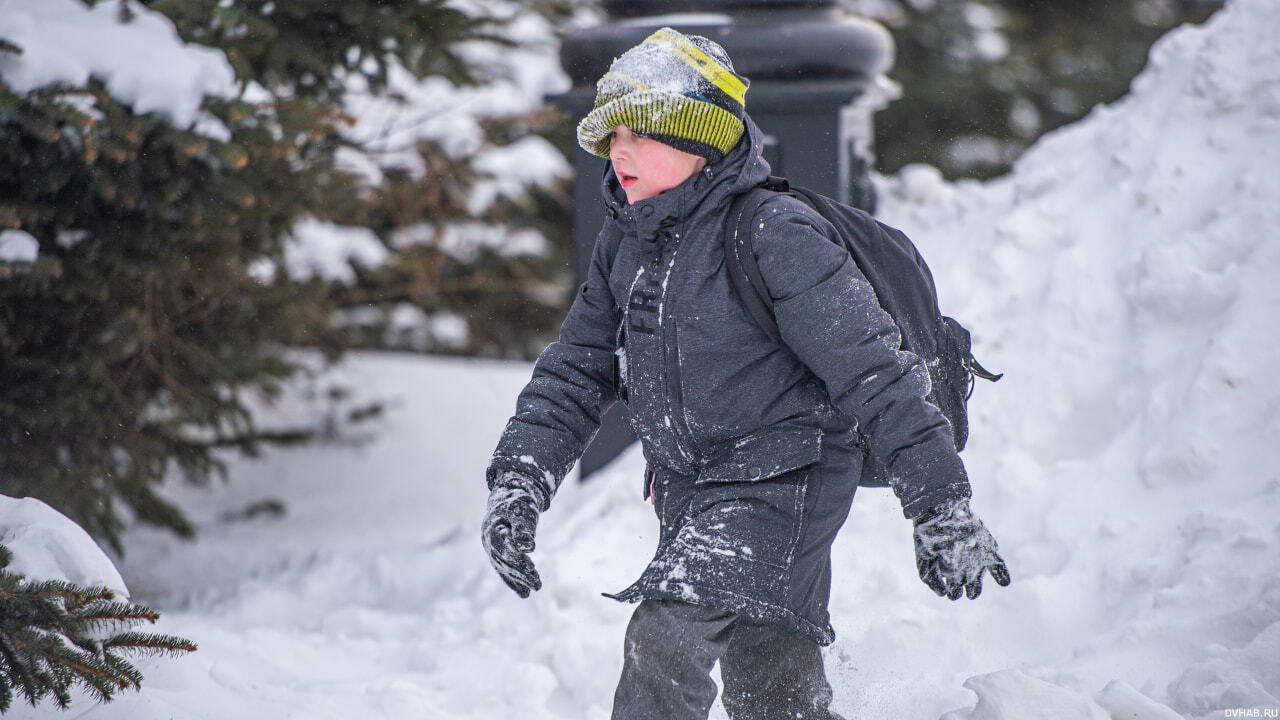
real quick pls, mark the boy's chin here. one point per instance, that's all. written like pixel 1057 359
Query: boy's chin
pixel 637 196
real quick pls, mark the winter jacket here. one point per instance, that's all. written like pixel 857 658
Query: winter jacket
pixel 754 447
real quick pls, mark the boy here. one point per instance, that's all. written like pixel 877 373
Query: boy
pixel 754 447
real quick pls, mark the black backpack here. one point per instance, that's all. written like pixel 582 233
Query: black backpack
pixel 902 283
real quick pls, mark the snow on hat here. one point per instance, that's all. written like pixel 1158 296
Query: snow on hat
pixel 680 90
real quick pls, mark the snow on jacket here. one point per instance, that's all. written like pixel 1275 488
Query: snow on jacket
pixel 754 447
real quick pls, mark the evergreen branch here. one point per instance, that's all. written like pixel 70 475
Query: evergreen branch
pixel 149 643
pixel 76 595
pixel 56 684
pixel 48 643
pixel 94 595
pixel 274 437
pixel 66 625
pixel 123 669
pixel 115 611
pixel 93 674
pixel 47 674
pixel 96 674
pixel 58 588
pixel 18 611
pixel 154 510
pixel 15 667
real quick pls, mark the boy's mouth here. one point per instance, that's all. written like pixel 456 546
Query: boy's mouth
pixel 626 180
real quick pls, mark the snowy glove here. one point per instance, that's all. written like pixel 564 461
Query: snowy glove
pixel 954 549
pixel 510 521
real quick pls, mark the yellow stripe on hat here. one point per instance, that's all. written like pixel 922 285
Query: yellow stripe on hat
pixel 713 71
pixel 660 114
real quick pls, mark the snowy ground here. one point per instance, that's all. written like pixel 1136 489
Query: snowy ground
pixel 1123 277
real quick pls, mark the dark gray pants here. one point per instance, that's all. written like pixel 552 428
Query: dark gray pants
pixel 768 673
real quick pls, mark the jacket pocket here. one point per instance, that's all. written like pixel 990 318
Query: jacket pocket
pixel 764 455
pixel 759 522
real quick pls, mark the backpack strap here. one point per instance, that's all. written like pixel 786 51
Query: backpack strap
pixel 740 257
pixel 971 364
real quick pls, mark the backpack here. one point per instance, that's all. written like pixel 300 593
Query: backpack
pixel 902 283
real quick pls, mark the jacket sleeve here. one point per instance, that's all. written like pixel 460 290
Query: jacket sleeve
pixel 829 317
pixel 573 383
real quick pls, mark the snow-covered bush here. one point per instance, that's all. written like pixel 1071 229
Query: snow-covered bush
pixel 61 622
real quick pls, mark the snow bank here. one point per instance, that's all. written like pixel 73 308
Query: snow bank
pixel 47 545
pixel 368 595
pixel 1123 278
pixel 143 62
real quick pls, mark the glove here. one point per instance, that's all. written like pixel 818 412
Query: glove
pixel 954 549
pixel 511 518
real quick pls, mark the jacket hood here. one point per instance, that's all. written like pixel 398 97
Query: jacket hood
pixel 741 169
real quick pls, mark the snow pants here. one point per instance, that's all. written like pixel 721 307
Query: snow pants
pixel 768 673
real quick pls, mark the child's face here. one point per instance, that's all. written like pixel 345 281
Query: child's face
pixel 646 167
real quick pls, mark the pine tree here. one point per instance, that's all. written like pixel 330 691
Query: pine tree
pixel 56 635
pixel 511 304
pixel 137 340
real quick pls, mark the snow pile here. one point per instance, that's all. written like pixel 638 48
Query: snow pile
pixel 142 62
pixel 464 241
pixel 511 170
pixel 46 545
pixel 388 127
pixel 328 251
pixel 1122 277
pixel 18 246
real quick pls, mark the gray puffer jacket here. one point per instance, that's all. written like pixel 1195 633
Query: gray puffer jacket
pixel 754 447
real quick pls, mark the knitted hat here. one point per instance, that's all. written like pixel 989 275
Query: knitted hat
pixel 680 90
